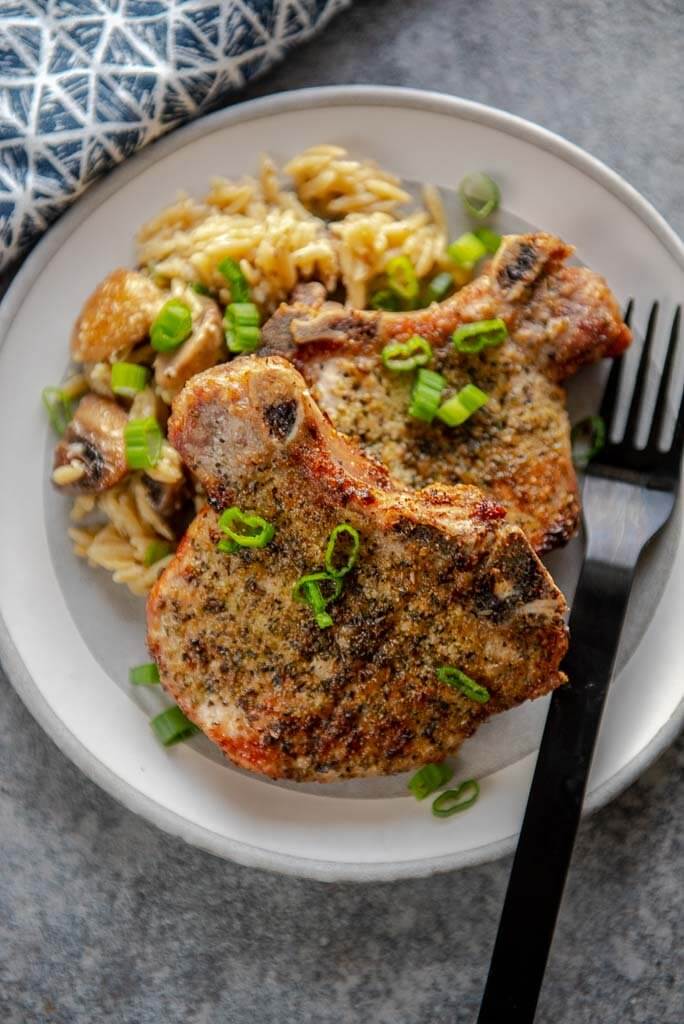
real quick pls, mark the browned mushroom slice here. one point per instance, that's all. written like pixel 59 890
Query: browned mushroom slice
pixel 118 314
pixel 165 498
pixel 91 456
pixel 166 507
pixel 205 347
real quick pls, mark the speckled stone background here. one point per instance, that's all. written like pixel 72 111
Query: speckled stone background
pixel 103 918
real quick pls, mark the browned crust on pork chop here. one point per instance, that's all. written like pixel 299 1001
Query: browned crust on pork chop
pixel 441 580
pixel 517 449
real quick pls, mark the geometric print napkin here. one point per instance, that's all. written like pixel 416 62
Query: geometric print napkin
pixel 85 83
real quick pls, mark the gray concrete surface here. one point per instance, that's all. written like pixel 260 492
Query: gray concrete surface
pixel 105 919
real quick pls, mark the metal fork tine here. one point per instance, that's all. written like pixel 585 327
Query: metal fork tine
pixel 612 389
pixel 640 380
pixel 661 400
pixel 608 402
pixel 678 436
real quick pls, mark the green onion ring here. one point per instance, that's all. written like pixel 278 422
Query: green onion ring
pixel 256 532
pixel 241 323
pixel 144 675
pixel 426 394
pixel 460 681
pixel 402 278
pixel 239 289
pixel 58 407
pixel 428 779
pixel 171 726
pixel 472 338
pixel 340 529
pixel 227 546
pixel 479 194
pixel 466 251
pixel 143 440
pixel 308 590
pixel 173 324
pixel 460 407
pixel 489 239
pixel 403 356
pixel 128 379
pixel 453 801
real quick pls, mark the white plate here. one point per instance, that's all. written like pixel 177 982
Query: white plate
pixel 69 634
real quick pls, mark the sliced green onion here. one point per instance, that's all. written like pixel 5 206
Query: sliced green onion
pixel 454 800
pixel 336 544
pixel 144 675
pixel 199 288
pixel 588 438
pixel 155 551
pixel 460 681
pixel 429 778
pixel 384 299
pixel 425 395
pixel 128 379
pixel 479 194
pixel 309 590
pixel 227 546
pixel 246 529
pixel 402 356
pixel 171 726
pixel 143 440
pixel 460 407
pixel 489 239
pixel 440 286
pixel 172 326
pixel 58 407
pixel 402 278
pixel 239 289
pixel 470 338
pixel 466 251
pixel 241 322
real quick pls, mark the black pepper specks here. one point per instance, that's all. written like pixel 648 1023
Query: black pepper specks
pixel 280 418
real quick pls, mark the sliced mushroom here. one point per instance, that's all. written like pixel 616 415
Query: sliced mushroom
pixel 166 507
pixel 205 347
pixel 92 454
pixel 165 499
pixel 118 314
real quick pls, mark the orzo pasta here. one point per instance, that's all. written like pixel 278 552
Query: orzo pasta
pixel 325 217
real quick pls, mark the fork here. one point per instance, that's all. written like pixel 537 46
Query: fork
pixel 629 494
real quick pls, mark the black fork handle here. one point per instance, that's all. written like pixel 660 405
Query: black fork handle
pixel 540 867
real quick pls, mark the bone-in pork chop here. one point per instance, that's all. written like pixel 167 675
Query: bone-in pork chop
pixel 516 448
pixel 441 580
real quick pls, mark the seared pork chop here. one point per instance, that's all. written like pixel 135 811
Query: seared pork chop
pixel 441 580
pixel 517 448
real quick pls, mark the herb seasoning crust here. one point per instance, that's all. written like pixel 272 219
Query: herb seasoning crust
pixel 517 448
pixel 441 579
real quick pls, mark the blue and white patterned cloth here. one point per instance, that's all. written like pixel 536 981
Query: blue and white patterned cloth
pixel 85 83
